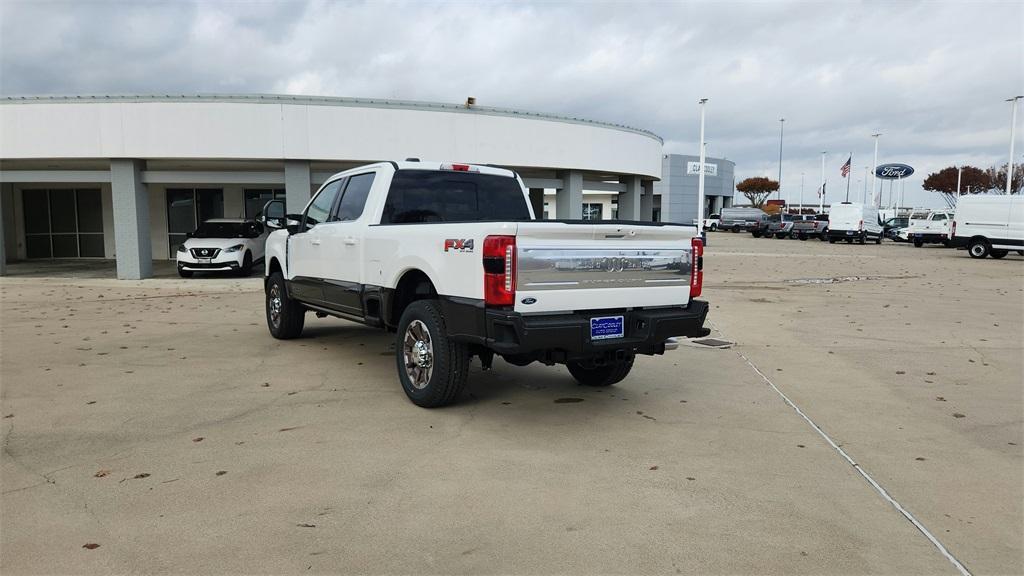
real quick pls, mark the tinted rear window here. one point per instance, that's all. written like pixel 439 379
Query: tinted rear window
pixel 442 196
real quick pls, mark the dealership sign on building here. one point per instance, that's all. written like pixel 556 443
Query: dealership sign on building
pixel 693 168
pixel 893 171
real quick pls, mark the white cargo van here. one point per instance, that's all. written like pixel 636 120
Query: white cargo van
pixel 853 221
pixel 989 225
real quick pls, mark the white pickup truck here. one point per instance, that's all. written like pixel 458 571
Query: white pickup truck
pixel 449 257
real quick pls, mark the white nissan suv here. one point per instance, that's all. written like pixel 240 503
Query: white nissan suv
pixel 222 245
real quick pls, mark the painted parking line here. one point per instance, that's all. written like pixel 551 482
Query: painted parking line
pixel 860 470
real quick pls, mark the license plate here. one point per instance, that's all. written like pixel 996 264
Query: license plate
pixel 204 260
pixel 607 327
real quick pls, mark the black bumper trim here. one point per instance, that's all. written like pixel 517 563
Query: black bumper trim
pixel 568 335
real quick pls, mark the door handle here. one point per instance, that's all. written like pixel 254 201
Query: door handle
pixel 315 242
pixel 350 241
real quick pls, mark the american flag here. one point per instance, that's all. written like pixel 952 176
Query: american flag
pixel 845 170
pixel 821 190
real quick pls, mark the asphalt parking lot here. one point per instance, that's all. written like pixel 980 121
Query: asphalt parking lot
pixel 160 421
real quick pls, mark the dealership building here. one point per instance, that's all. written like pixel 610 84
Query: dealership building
pixel 127 177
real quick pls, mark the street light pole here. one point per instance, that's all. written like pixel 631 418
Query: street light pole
pixel 875 202
pixel 864 197
pixel 959 173
pixel 1013 127
pixel 782 124
pixel 700 177
pixel 821 192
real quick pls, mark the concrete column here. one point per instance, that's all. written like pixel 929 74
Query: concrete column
pixel 629 201
pixel 569 198
pixel 537 202
pixel 4 190
pixel 131 220
pixel 647 202
pixel 297 185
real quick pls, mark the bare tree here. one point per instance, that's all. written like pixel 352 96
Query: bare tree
pixel 997 178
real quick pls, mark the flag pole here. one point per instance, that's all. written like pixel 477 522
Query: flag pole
pixel 821 196
pixel 849 176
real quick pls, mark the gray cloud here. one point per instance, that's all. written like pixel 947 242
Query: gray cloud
pixel 931 76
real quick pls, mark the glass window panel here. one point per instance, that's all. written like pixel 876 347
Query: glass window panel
pixel 90 211
pixel 181 211
pixel 65 246
pixel 211 203
pixel 321 205
pixel 352 203
pixel 37 246
pixel 91 246
pixel 62 211
pixel 255 200
pixel 37 212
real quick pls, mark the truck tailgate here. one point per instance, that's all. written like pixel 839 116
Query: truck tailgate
pixel 569 266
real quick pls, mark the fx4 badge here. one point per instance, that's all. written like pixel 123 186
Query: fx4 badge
pixel 458 245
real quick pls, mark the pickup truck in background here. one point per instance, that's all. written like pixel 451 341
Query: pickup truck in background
pixel 449 258
pixel 930 227
pixel 810 227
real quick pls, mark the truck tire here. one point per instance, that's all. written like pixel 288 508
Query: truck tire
pixel 863 238
pixel 824 235
pixel 918 243
pixel 978 248
pixel 756 234
pixel 735 229
pixel 997 254
pixel 878 239
pixel 831 240
pixel 600 375
pixel 431 367
pixel 285 317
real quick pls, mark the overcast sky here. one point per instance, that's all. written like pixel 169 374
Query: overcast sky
pixel 932 77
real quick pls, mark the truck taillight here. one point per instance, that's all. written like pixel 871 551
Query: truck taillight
pixel 860 225
pixel 952 229
pixel 696 267
pixel 499 270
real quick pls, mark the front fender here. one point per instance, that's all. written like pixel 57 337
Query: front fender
pixel 276 249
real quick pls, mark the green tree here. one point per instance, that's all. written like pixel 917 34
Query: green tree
pixel 757 189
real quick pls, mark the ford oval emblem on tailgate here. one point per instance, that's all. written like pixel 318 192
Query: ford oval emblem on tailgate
pixel 528 301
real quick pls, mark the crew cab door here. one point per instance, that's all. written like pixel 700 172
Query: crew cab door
pixel 342 264
pixel 307 245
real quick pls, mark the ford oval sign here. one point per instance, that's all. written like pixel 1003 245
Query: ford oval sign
pixel 893 171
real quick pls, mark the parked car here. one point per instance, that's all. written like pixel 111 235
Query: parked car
pixel 741 219
pixel 989 225
pixel 711 222
pixel 891 227
pixel 853 221
pixel 450 258
pixel 931 227
pixel 815 226
pixel 222 245
pixel 783 226
pixel 760 228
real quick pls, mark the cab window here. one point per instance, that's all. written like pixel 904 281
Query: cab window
pixel 320 207
pixel 354 200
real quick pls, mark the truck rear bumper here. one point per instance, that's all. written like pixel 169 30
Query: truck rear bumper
pixel 561 337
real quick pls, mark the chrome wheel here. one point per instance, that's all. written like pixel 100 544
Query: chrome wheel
pixel 418 354
pixel 978 250
pixel 274 304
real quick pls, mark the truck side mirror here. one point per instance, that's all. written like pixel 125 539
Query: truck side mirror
pixel 273 215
